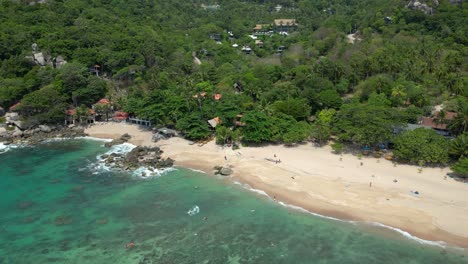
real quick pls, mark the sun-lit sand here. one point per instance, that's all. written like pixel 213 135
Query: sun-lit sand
pixel 329 184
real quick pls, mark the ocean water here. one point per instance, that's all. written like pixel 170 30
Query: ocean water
pixel 58 206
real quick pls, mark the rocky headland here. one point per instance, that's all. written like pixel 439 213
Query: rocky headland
pixel 148 157
pixel 35 135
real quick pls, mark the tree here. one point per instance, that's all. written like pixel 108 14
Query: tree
pixel 461 168
pixel 459 124
pixel 258 127
pixel 193 127
pixel 366 124
pixel 421 145
pixel 72 77
pixel 329 99
pixel 45 105
pixel 459 147
pixel 299 132
pixel 94 90
pixel 321 128
pixel 103 109
pixel 297 108
pixel 82 113
pixel 222 135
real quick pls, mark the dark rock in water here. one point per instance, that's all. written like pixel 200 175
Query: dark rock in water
pixel 25 205
pixel 149 157
pixel 28 219
pixel 63 220
pixel 102 221
pixel 78 188
pixel 53 181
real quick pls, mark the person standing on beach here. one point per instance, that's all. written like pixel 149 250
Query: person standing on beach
pixel 225 158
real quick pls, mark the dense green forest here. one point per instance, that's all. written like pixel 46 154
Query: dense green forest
pixel 402 63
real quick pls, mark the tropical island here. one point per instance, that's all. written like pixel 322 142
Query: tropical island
pixel 356 109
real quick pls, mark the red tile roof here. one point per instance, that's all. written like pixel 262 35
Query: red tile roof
pixel 103 101
pixel 73 112
pixel 429 121
pixel 14 106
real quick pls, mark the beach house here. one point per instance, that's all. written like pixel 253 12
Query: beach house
pixel 284 25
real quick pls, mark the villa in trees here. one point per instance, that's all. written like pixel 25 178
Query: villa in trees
pixel 284 25
pixel 440 127
pixel 72 117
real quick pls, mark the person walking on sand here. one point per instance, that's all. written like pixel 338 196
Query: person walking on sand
pixel 225 158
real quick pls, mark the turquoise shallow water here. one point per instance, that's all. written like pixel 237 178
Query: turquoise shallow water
pixel 55 210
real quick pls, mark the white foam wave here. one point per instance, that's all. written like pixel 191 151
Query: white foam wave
pixel 95 139
pixel 402 232
pixel 409 236
pixel 121 149
pixel 195 170
pixel 5 148
pixel 145 173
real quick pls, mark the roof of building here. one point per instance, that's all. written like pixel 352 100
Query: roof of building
pixel 218 96
pixel 214 122
pixel 285 22
pixel 71 112
pixel 14 106
pixel 430 121
pixel 103 101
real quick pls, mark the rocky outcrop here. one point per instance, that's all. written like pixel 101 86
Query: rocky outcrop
pixel 224 171
pixel 38 134
pixel 149 157
pixel 163 133
pixel 41 59
pixel 422 6
pixel 122 139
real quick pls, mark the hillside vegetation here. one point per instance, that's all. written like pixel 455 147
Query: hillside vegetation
pixel 403 62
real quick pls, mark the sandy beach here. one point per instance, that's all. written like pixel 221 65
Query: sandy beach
pixel 329 184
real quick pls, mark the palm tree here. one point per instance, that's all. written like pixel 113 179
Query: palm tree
pixel 459 124
pixel 459 146
pixel 440 118
pixel 399 92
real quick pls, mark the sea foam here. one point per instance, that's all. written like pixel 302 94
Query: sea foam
pixel 401 232
pixel 5 148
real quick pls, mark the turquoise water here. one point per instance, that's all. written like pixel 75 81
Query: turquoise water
pixel 55 210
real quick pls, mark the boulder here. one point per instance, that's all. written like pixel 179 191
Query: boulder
pixel 18 133
pixel 29 132
pixel 11 117
pixel 3 132
pixel 225 171
pixel 125 137
pixel 45 129
pixel 417 5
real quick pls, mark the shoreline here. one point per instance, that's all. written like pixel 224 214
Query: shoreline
pixel 313 179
